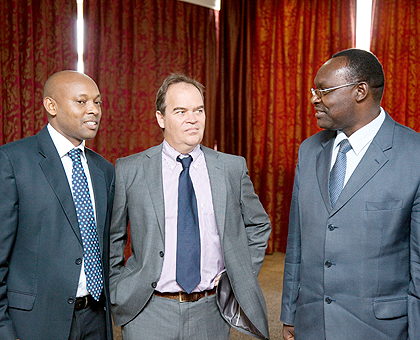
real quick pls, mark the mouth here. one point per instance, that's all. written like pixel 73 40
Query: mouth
pixel 319 112
pixel 93 125
pixel 192 130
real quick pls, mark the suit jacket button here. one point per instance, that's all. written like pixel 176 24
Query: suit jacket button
pixel 154 284
pixel 328 264
pixel 161 253
pixel 328 300
pixel 70 301
pixel 331 227
pixel 78 261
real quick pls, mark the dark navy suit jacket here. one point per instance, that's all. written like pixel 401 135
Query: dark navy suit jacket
pixel 41 247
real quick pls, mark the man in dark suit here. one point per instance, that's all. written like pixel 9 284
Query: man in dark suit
pixel 352 261
pixel 152 296
pixel 54 249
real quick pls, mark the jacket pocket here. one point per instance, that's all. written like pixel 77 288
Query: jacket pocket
pixel 386 205
pixel 390 308
pixel 22 301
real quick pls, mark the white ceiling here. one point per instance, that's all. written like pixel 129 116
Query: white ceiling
pixel 214 4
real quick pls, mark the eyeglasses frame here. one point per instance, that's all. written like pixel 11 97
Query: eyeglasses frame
pixel 329 90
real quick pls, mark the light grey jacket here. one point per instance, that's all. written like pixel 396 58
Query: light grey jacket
pixel 243 225
pixel 353 272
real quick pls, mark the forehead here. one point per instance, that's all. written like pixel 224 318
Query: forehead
pixel 332 73
pixel 183 93
pixel 76 85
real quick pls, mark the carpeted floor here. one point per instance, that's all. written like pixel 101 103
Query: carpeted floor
pixel 271 280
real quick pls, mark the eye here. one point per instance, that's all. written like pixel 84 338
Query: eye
pixel 98 102
pixel 81 101
pixel 179 112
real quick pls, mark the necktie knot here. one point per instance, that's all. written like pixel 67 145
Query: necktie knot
pixel 186 161
pixel 345 146
pixel 74 154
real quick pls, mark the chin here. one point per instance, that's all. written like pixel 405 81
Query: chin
pixel 90 136
pixel 195 141
pixel 323 125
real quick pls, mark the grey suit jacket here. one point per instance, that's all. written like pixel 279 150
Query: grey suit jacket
pixel 41 247
pixel 353 272
pixel 243 225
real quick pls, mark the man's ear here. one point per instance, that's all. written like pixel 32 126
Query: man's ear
pixel 51 106
pixel 160 119
pixel 362 91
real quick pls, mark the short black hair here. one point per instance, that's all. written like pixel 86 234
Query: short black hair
pixel 171 80
pixel 364 66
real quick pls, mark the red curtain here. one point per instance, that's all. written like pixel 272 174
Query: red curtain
pixel 257 97
pixel 396 43
pixel 131 47
pixel 257 76
pixel 37 39
pixel 270 52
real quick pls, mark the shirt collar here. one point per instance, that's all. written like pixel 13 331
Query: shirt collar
pixel 62 144
pixel 359 139
pixel 170 155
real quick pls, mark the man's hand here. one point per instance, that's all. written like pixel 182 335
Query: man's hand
pixel 288 332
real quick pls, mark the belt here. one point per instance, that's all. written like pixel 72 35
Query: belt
pixel 184 297
pixel 83 302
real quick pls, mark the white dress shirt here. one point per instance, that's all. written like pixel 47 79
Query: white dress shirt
pixel 63 146
pixel 359 141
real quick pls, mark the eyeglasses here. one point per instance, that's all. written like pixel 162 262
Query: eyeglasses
pixel 319 93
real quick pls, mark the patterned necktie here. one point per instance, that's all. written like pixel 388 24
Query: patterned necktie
pixel 188 233
pixel 87 225
pixel 338 171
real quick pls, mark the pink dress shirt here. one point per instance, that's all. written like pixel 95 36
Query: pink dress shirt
pixel 212 264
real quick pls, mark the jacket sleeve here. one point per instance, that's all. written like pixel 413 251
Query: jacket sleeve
pixel 8 228
pixel 118 230
pixel 256 220
pixel 414 288
pixel 291 275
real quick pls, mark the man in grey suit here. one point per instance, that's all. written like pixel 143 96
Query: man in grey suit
pixel 45 267
pixel 352 265
pixel 150 298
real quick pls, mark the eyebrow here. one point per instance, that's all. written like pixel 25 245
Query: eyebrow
pixel 86 95
pixel 185 109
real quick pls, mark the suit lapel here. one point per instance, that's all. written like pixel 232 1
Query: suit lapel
pixel 100 192
pixel 216 173
pixel 323 164
pixel 153 176
pixel 373 160
pixel 56 176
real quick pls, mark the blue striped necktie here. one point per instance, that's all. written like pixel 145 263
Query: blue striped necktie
pixel 338 172
pixel 188 232
pixel 87 225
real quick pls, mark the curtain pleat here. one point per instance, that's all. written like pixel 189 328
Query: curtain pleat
pixel 270 51
pixel 37 39
pixel 396 43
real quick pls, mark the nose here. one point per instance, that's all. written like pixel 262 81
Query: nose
pixel 315 99
pixel 93 108
pixel 191 117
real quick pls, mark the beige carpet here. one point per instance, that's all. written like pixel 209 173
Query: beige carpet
pixel 271 280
